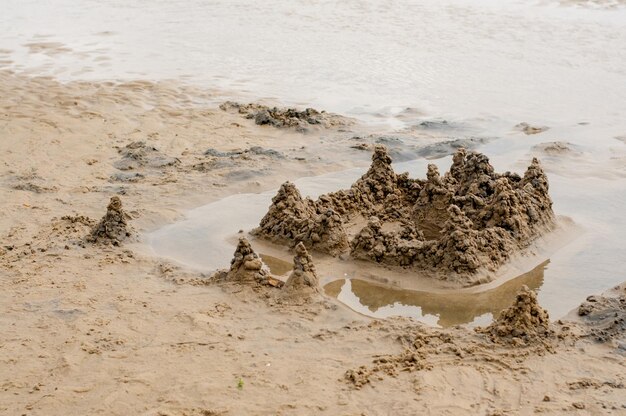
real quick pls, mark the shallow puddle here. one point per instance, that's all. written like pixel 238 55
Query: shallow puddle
pixel 437 309
pixel 278 267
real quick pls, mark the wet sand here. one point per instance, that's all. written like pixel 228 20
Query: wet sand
pixel 90 329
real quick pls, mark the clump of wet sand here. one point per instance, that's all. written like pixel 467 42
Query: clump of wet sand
pixel 606 316
pixel 456 226
pixel 524 322
pixel 301 120
pixel 140 154
pixel 556 148
pixel 113 228
pixel 528 129
pixel 303 279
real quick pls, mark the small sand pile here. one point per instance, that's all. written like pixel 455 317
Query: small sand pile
pixel 303 279
pixel 456 226
pixel 285 117
pixel 246 267
pixel 524 322
pixel 113 227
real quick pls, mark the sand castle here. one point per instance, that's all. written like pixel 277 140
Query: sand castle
pixel 455 226
pixel 113 227
pixel 248 268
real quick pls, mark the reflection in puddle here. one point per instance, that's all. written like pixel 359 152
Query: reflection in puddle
pixel 278 267
pixel 443 309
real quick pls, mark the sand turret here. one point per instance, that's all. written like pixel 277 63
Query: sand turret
pixel 293 219
pixel 303 279
pixel 525 321
pixel 113 227
pixel 246 266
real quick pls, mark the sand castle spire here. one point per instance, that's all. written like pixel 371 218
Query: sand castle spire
pixel 292 218
pixel 524 321
pixel 246 265
pixel 113 227
pixel 303 278
pixel 536 177
pixel 380 179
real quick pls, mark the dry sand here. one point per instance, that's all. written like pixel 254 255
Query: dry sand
pixel 95 328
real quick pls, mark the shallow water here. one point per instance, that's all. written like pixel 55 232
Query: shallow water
pixel 437 309
pixel 460 59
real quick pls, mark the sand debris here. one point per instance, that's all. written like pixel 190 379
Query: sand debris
pixel 139 154
pixel 524 322
pixel 425 348
pixel 113 228
pixel 460 226
pixel 286 117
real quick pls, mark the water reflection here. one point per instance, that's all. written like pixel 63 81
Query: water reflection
pixel 278 267
pixel 443 309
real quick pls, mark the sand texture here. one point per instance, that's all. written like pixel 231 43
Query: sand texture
pixel 107 328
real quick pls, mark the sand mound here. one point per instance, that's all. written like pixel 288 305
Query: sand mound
pixel 523 322
pixel 113 227
pixel 285 117
pixel 31 182
pixel 247 267
pixel 303 279
pixel 468 221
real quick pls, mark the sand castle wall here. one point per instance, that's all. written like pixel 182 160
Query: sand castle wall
pixel 455 225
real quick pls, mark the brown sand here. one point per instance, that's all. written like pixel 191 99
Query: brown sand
pixel 103 329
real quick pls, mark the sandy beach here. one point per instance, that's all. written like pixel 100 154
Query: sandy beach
pixel 102 329
pixel 296 208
